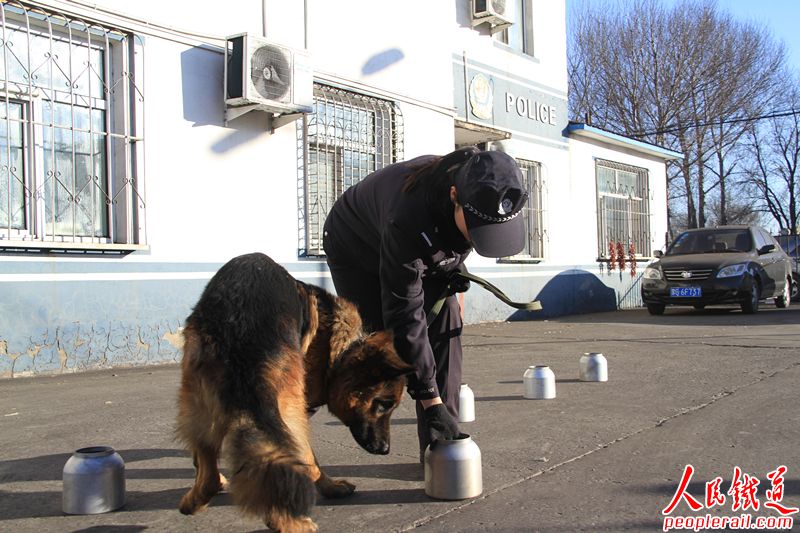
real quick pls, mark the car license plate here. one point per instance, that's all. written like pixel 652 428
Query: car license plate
pixel 686 292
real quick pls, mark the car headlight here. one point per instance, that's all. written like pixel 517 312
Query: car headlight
pixel 652 273
pixel 732 270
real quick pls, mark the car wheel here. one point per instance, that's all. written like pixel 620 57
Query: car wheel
pixel 795 287
pixel 750 306
pixel 786 296
pixel 656 309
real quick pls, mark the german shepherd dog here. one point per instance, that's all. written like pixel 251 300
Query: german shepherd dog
pixel 261 351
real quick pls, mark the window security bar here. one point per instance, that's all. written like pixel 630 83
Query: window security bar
pixel 346 137
pixel 623 208
pixel 68 134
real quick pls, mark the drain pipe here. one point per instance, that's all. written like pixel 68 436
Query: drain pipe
pixel 264 18
pixel 305 21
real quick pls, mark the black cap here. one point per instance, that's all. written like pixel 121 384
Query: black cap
pixel 489 187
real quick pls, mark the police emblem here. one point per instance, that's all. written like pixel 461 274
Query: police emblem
pixel 481 96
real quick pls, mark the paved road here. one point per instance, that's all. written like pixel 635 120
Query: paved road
pixel 714 389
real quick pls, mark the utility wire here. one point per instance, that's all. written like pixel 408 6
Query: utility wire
pixel 673 129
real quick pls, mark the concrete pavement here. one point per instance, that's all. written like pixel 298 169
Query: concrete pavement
pixel 715 389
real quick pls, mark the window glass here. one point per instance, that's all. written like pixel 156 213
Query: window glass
pixel 64 176
pixel 606 180
pixel 761 239
pixel 623 209
pixel 711 240
pixel 75 187
pixel 12 172
pixel 626 183
pixel 518 36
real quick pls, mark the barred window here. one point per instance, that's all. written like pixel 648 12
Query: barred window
pixel 623 208
pixel 68 134
pixel 533 212
pixel 345 138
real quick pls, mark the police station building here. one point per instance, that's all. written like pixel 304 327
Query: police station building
pixel 144 144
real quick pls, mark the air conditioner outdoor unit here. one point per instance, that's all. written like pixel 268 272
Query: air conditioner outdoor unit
pixel 264 76
pixel 492 12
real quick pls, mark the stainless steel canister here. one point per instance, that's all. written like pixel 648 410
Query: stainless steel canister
pixel 94 481
pixel 453 469
pixel 539 383
pixel 593 367
pixel 466 404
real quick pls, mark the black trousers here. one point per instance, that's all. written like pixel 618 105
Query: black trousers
pixel 444 334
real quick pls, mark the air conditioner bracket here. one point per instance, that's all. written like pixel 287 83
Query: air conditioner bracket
pixel 499 27
pixel 495 24
pixel 286 118
pixel 236 112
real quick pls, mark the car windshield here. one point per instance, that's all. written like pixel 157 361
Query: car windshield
pixel 711 241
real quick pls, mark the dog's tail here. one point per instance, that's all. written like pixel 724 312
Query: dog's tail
pixel 269 481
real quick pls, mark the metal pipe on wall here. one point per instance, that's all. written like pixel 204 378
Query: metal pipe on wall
pixel 264 17
pixel 305 21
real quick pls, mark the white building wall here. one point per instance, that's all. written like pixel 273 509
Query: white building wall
pixel 583 190
pixel 214 191
pixel 556 182
pixel 403 47
pixel 548 63
pixel 546 69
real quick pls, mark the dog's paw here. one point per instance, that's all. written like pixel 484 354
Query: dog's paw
pixel 335 488
pixel 190 504
pixel 199 496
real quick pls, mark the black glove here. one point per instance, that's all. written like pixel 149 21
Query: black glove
pixel 456 283
pixel 441 424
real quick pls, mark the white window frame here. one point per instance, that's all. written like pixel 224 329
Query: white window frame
pixel 519 36
pixel 105 85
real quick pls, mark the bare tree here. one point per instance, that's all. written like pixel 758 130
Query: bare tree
pixel 774 169
pixel 752 56
pixel 686 77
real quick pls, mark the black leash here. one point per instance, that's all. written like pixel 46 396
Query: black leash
pixel 437 306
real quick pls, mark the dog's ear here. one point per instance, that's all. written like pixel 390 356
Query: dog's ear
pixel 382 340
pixel 391 366
pixel 345 326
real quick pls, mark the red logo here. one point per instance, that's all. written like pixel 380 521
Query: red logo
pixel 742 494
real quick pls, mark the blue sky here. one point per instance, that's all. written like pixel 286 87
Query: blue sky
pixel 781 16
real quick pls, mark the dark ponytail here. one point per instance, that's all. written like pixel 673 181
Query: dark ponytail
pixel 436 174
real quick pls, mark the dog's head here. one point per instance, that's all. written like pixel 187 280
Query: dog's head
pixel 365 385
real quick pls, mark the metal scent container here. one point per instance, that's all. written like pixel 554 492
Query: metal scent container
pixel 593 367
pixel 453 469
pixel 94 481
pixel 539 383
pixel 466 404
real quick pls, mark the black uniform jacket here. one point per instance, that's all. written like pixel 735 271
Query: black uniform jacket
pixel 398 236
